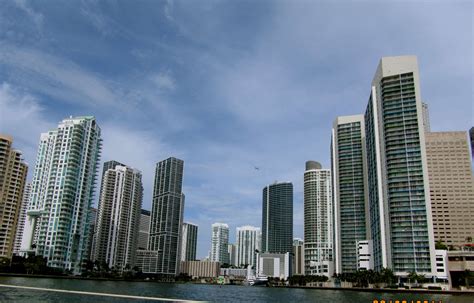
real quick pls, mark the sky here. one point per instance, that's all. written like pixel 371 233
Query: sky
pixel 226 86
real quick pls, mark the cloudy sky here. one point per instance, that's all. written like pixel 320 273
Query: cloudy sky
pixel 223 85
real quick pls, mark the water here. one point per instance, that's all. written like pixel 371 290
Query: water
pixel 212 293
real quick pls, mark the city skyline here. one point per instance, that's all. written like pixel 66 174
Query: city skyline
pixel 278 73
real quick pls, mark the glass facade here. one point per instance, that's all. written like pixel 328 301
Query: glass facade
pixel 350 192
pixel 277 218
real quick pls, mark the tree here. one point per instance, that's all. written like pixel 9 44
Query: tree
pixel 440 245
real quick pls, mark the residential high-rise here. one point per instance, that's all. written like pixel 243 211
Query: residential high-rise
pixel 277 218
pixel 107 165
pixel 62 192
pixel 451 187
pixel 248 240
pixel 119 217
pixel 13 171
pixel 219 243
pixel 144 230
pixel 298 257
pixel 22 218
pixel 189 242
pixel 167 215
pixel 232 251
pixel 318 220
pixel 398 188
pixel 349 173
pixel 92 228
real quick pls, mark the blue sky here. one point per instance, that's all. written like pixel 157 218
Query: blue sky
pixel 223 85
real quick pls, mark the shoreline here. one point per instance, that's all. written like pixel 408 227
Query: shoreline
pixel 356 289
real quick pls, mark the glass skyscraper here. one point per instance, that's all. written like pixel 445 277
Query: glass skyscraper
pixel 398 188
pixel 277 218
pixel 349 190
pixel 167 215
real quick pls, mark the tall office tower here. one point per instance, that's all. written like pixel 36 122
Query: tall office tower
pixel 219 243
pixel 277 218
pixel 167 215
pixel 452 186
pixel 298 259
pixel 144 230
pixel 318 220
pixel 426 117
pixel 248 240
pixel 13 171
pixel 232 251
pixel 349 173
pixel 92 229
pixel 399 194
pixel 21 218
pixel 119 217
pixel 189 242
pixel 62 192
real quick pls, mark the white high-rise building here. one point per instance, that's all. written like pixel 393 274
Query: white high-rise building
pixel 426 117
pixel 248 240
pixel 220 242
pixel 62 192
pixel 189 241
pixel 401 225
pixel 21 219
pixel 349 173
pixel 318 220
pixel 119 217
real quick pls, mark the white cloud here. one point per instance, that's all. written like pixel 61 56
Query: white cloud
pixel 56 77
pixel 37 18
pixel 22 117
pixel 164 81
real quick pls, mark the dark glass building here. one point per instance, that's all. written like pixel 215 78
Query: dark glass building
pixel 277 218
pixel 167 215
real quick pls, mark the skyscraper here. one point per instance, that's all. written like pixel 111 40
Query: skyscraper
pixel 349 173
pixel 91 238
pixel 451 187
pixel 167 215
pixel 144 230
pixel 471 135
pixel 219 243
pixel 298 259
pixel 399 201
pixel 318 220
pixel 119 217
pixel 62 192
pixel 189 242
pixel 277 218
pixel 13 171
pixel 22 218
pixel 248 240
pixel 232 251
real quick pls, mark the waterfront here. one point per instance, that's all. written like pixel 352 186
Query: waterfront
pixel 198 292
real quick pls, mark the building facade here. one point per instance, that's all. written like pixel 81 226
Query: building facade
pixel 426 117
pixel 22 218
pixel 274 265
pixel 167 215
pixel 232 251
pixel 277 218
pixel 318 220
pixel 349 173
pixel 144 229
pixel 398 188
pixel 298 257
pixel 91 241
pixel 119 217
pixel 201 269
pixel 189 242
pixel 365 255
pixel 248 242
pixel 13 171
pixel 219 243
pixel 62 192
pixel 451 187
